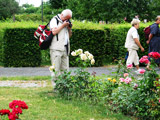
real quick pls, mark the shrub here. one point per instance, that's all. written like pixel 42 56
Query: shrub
pixel 89 40
pixel 20 48
pixel 139 97
pixel 106 42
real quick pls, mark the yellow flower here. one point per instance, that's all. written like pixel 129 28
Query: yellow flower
pixel 114 80
pixel 109 79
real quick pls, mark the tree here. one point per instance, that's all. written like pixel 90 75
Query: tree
pixel 8 8
pixel 57 4
pixel 154 9
pixel 29 8
pixel 109 10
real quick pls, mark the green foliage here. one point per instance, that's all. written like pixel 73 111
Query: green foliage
pixel 30 17
pixel 140 100
pixel 8 8
pixel 73 86
pixel 20 48
pixel 114 12
pixel 84 86
pixel 58 4
pixel 89 40
pixel 105 42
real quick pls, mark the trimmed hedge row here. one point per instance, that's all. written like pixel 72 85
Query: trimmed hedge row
pixel 20 48
pixel 93 41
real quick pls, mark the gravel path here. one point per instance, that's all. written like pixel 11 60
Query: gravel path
pixel 44 71
pixel 23 84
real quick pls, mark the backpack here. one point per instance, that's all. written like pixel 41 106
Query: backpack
pixel 44 36
pixel 147 32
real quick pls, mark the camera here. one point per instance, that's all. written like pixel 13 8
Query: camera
pixel 70 24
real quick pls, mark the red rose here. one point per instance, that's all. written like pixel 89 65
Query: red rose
pixel 154 55
pixel 4 112
pixel 12 116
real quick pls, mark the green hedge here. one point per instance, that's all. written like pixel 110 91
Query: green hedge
pixel 32 17
pixel 93 41
pixel 105 42
pixel 21 48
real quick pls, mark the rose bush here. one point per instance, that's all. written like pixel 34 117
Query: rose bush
pixel 17 106
pixel 138 94
pixel 76 86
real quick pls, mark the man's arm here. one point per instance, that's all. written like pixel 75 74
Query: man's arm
pixel 59 28
pixel 70 31
pixel 149 39
pixel 139 44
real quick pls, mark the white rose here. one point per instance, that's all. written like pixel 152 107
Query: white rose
pixel 80 51
pixel 92 61
pixel 87 53
pixel 73 53
pixel 90 56
pixel 51 68
pixel 83 57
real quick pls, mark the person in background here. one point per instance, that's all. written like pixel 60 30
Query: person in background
pixel 154 39
pixel 60 45
pixel 133 44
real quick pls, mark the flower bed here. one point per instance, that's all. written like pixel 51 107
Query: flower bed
pixel 136 94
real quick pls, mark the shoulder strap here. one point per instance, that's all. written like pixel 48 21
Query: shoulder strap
pixel 57 25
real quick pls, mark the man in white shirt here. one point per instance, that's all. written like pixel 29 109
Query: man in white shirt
pixel 60 46
pixel 133 44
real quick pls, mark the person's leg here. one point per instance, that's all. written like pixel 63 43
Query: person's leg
pixel 56 60
pixel 65 62
pixel 137 66
pixel 130 57
pixel 136 59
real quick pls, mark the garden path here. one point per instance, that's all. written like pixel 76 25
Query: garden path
pixel 44 71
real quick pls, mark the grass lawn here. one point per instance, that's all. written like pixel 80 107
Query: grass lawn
pixel 45 105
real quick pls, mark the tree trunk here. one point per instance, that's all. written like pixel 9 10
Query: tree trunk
pixel 14 18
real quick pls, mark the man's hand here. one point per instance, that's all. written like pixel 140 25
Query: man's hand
pixel 142 49
pixel 147 41
pixel 65 23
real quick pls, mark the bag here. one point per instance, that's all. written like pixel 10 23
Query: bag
pixel 147 32
pixel 44 35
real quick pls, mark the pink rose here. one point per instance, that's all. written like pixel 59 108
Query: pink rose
pixel 129 66
pixel 135 85
pixel 122 79
pixel 125 74
pixel 144 59
pixel 142 71
pixel 159 100
pixel 128 80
